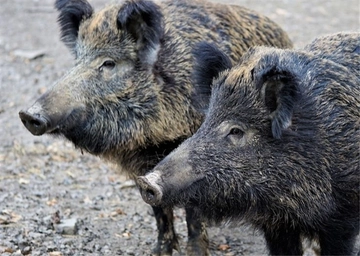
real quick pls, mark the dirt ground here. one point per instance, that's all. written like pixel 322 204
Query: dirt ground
pixel 56 201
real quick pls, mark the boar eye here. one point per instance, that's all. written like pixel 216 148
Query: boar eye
pixel 236 131
pixel 109 64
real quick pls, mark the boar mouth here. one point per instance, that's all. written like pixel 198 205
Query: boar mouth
pixel 72 120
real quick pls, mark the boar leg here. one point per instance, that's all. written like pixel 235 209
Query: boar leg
pixel 167 240
pixel 338 239
pixel 284 241
pixel 198 241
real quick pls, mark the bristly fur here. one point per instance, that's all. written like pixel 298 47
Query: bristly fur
pixel 143 20
pixel 209 62
pixel 72 12
pixel 279 148
pixel 280 92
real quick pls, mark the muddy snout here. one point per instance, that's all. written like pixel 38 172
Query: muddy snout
pixel 35 122
pixel 150 191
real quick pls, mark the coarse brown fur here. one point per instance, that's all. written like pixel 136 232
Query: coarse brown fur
pixel 129 97
pixel 279 148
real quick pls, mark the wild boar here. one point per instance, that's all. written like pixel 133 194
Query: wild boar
pixel 129 97
pixel 279 147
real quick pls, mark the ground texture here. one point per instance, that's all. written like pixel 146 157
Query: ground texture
pixel 56 201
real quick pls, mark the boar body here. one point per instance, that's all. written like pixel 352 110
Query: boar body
pixel 279 147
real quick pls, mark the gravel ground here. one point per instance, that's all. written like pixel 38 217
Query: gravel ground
pixel 56 201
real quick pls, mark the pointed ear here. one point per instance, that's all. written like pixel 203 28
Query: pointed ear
pixel 280 91
pixel 209 62
pixel 143 20
pixel 72 12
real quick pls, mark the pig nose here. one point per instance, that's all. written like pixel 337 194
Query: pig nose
pixel 150 191
pixel 35 123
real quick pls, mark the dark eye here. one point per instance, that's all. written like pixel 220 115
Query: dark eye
pixel 109 64
pixel 236 131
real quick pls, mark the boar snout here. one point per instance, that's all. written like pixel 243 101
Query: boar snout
pixel 150 191
pixel 56 111
pixel 35 122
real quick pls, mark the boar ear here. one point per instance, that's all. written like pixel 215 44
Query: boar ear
pixel 280 91
pixel 143 20
pixel 72 12
pixel 209 62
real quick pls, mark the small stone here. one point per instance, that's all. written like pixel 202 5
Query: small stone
pixel 67 227
pixel 127 184
pixel 130 251
pixel 223 247
pixel 26 250
pixel 55 254
pixel 17 253
pixel 28 54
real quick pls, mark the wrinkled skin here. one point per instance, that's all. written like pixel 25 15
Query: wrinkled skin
pixel 129 97
pixel 279 148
